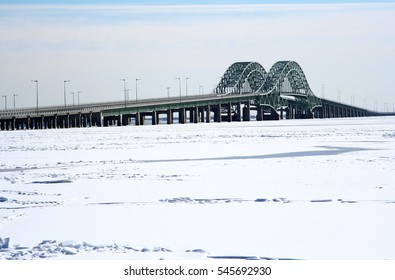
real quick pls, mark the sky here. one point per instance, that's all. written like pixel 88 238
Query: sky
pixel 342 47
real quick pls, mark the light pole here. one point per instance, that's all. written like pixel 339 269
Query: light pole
pixel 338 96
pixel 124 88
pixel 78 97
pixel 73 97
pixel 168 92
pixel 14 99
pixel 136 87
pixel 179 85
pixel 201 90
pixel 186 86
pixel 36 81
pixel 323 91
pixel 64 92
pixel 5 102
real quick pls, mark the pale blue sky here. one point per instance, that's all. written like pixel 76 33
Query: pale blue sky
pixel 179 2
pixel 345 47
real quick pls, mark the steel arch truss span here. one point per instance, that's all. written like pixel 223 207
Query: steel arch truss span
pixel 242 77
pixel 284 83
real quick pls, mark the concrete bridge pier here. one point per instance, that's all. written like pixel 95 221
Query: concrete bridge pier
pixel 247 112
pixel 217 114
pixel 68 120
pixel 208 114
pixel 181 115
pixel 238 112
pixel 259 113
pixel 230 112
pixel 281 113
pixel 201 114
pixel 169 114
pixel 137 119
pixel 90 119
pixel 154 118
pixel 120 119
pixel 195 114
pixel 80 120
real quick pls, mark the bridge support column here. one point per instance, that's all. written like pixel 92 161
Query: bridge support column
pixel 208 114
pixel 80 120
pixel 13 123
pixel 169 116
pixel 181 115
pixel 238 112
pixel 154 118
pixel 56 120
pixel 217 114
pixel 90 119
pixel 101 119
pixel 329 111
pixel 195 114
pixel 120 117
pixel 246 112
pixel 138 119
pixel 230 112
pixel 259 113
pixel 201 115
pixel 68 121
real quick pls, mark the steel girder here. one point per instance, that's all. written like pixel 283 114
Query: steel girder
pixel 251 77
pixel 241 77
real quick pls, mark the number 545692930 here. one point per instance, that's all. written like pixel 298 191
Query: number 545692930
pixel 230 270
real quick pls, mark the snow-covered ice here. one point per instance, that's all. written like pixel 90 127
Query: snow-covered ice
pixel 292 189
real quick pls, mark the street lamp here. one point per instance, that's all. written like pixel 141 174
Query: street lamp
pixel 5 102
pixel 78 97
pixel 168 92
pixel 64 92
pixel 14 99
pixel 186 86
pixel 136 87
pixel 73 97
pixel 124 88
pixel 36 81
pixel 201 90
pixel 179 85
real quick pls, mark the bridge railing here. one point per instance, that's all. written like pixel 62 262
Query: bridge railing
pixel 93 107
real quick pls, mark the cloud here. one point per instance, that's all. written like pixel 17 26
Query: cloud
pixel 342 46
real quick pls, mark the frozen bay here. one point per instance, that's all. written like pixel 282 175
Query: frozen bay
pixel 298 189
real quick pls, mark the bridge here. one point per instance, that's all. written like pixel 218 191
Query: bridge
pixel 245 92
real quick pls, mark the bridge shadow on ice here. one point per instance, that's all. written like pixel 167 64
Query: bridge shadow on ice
pixel 329 151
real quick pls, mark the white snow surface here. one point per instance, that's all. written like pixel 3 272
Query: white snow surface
pixel 292 189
